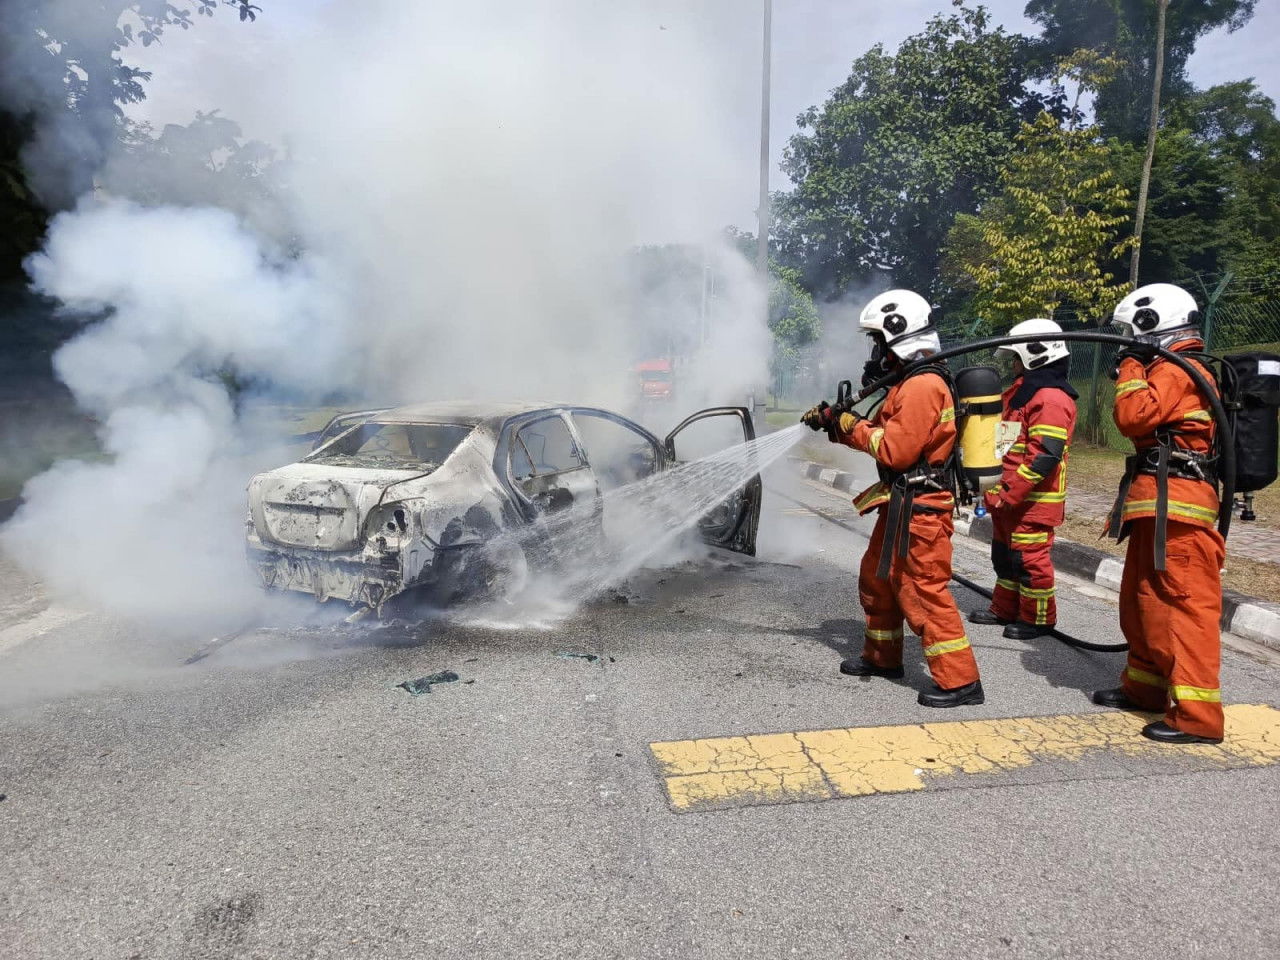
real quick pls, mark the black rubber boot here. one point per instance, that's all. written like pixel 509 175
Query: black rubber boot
pixel 1115 697
pixel 987 618
pixel 857 667
pixel 969 694
pixel 1161 732
pixel 1025 631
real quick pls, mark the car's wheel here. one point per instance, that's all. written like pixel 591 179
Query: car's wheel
pixel 494 570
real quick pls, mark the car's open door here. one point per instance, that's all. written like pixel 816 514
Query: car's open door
pixel 733 523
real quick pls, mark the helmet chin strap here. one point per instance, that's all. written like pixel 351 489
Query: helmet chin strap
pixel 1166 338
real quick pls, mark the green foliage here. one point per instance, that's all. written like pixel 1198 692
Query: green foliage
pixel 1185 231
pixel 69 58
pixel 793 318
pixel 22 215
pixel 205 163
pixel 1043 241
pixel 1238 127
pixel 909 141
pixel 1125 30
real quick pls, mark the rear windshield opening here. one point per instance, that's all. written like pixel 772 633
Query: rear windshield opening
pixel 393 446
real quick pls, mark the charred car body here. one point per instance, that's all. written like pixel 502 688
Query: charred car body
pixel 420 497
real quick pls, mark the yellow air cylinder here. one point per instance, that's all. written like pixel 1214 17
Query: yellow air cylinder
pixel 978 390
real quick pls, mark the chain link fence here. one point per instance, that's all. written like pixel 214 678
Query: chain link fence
pixel 1241 315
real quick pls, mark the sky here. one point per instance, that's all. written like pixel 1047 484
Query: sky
pixel 814 44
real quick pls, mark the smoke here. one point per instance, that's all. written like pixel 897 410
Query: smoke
pixel 462 186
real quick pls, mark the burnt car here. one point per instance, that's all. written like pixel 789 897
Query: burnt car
pixel 423 498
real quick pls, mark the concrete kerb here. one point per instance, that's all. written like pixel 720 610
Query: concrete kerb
pixel 1245 616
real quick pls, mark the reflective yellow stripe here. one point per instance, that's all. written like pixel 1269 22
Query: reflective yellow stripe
pixel 1046 497
pixel 1030 538
pixel 1044 430
pixel 1044 592
pixel 947 415
pixel 876 437
pixel 1202 415
pixel 1042 611
pixel 1177 508
pixel 1128 386
pixel 884 634
pixel 1018 448
pixel 1203 694
pixel 869 498
pixel 946 646
pixel 1029 474
pixel 1141 676
pixel 1008 584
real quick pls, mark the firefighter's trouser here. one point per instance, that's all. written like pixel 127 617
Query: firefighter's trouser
pixel 1022 556
pixel 916 590
pixel 1170 620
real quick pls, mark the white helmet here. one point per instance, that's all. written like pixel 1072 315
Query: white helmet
pixel 902 318
pixel 1158 313
pixel 1037 353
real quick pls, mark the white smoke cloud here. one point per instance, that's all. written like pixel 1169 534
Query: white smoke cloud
pixel 465 182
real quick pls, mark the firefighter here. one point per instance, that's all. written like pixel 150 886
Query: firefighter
pixel 907 567
pixel 1167 506
pixel 1039 417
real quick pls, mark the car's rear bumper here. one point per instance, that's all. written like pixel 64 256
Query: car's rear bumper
pixel 364 576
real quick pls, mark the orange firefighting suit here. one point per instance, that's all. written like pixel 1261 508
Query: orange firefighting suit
pixel 914 425
pixel 1170 618
pixel 1028 503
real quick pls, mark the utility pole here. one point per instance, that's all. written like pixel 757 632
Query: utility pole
pixel 763 213
pixel 1144 186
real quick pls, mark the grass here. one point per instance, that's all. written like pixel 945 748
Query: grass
pixel 1097 470
pixel 1252 577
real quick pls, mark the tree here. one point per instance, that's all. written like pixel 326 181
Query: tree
pixel 207 162
pixel 793 318
pixel 1236 126
pixel 1153 126
pixel 907 142
pixel 1045 239
pixel 64 84
pixel 1126 29
pixel 1185 231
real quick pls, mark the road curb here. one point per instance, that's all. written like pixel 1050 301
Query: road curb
pixel 1249 617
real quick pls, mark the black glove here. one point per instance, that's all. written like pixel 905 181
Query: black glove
pixel 818 418
pixel 1144 353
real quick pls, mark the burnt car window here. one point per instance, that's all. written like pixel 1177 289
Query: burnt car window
pixel 542 447
pixel 618 453
pixel 394 446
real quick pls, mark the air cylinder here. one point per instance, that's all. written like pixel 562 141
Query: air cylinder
pixel 1257 439
pixel 978 391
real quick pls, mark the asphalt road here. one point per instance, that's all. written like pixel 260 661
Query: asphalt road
pixel 283 798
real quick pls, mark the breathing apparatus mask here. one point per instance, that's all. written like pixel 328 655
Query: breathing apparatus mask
pixel 880 361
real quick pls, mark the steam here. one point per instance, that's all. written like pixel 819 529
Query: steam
pixel 463 183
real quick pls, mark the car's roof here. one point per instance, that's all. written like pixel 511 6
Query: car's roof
pixel 465 411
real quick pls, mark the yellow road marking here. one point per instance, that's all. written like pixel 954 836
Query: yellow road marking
pixel 827 764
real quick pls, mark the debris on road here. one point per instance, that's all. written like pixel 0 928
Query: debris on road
pixel 423 684
pixel 570 655
pixel 214 645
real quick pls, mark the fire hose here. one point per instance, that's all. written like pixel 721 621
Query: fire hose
pixel 846 400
